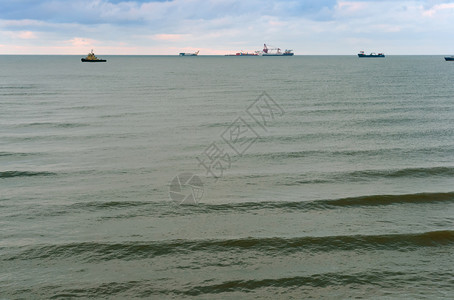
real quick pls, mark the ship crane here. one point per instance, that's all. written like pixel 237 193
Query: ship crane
pixel 266 49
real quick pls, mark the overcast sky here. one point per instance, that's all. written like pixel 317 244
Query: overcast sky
pixel 220 27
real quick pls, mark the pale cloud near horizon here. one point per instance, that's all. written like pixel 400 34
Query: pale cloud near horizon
pixel 217 27
pixel 24 35
pixel 170 37
pixel 77 42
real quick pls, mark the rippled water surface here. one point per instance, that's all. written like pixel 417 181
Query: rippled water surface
pixel 334 177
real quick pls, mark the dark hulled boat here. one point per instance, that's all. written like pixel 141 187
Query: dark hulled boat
pixel 449 58
pixel 362 54
pixel 92 58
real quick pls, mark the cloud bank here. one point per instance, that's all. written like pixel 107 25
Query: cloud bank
pixel 219 27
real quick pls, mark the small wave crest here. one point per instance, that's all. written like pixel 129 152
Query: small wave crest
pixel 17 154
pixel 408 172
pixel 367 175
pixel 242 286
pixel 369 200
pixel 96 251
pixel 11 174
pixel 50 124
pixel 351 152
pixel 390 199
pixel 93 205
pixel 166 209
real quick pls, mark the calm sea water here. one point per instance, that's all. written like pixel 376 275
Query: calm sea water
pixel 347 190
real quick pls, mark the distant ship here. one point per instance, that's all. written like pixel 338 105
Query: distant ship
pixel 92 58
pixel 274 52
pixel 243 54
pixel 189 54
pixel 362 54
pixel 449 58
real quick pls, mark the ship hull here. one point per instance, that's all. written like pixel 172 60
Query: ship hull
pixel 91 60
pixel 449 58
pixel 280 54
pixel 366 55
pixel 241 55
pixel 188 54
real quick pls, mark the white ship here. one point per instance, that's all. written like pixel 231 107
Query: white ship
pixel 189 54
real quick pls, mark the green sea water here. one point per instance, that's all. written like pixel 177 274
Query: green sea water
pixel 323 177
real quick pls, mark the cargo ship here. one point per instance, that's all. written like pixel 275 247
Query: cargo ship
pixel 189 54
pixel 274 52
pixel 241 53
pixel 449 58
pixel 92 58
pixel 362 54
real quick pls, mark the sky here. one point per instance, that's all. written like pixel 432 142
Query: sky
pixel 216 27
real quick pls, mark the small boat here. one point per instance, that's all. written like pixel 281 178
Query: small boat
pixel 92 58
pixel 189 54
pixel 449 58
pixel 373 54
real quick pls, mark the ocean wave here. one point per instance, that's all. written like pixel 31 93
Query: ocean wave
pixel 367 175
pixel 373 200
pixel 360 134
pixel 25 93
pixel 329 279
pixel 121 115
pixel 166 209
pixel 241 287
pixel 18 87
pixel 97 251
pixel 100 205
pixel 369 200
pixel 408 172
pixel 11 174
pixel 352 152
pixel 18 154
pixel 51 124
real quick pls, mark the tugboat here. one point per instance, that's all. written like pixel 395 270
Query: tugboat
pixel 449 58
pixel 189 54
pixel 92 58
pixel 362 54
pixel 269 52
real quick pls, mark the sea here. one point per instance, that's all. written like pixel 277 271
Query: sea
pixel 212 177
